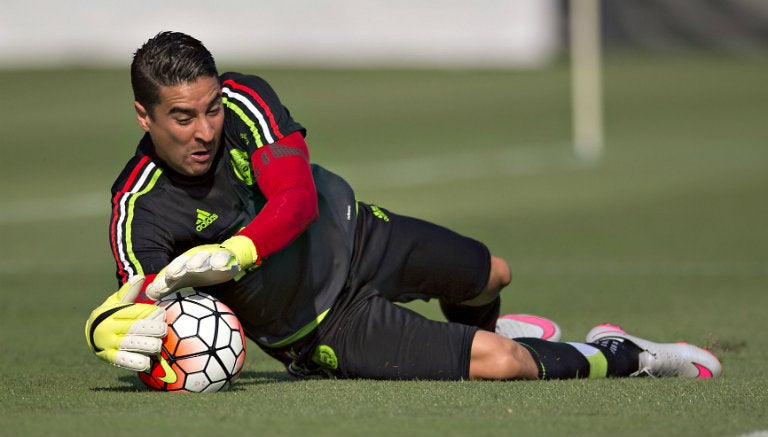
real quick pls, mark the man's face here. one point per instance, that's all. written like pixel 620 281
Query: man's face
pixel 186 125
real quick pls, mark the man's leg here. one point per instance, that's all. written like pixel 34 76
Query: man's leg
pixel 370 337
pixel 497 357
pixel 611 352
pixel 406 258
pixel 499 277
pixel 483 310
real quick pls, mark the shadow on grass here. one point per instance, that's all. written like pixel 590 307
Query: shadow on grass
pixel 132 384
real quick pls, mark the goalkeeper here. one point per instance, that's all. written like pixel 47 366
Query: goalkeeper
pixel 220 195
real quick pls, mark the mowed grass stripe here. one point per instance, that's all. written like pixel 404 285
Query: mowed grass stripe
pixel 400 173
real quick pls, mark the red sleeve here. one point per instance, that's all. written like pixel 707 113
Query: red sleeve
pixel 285 178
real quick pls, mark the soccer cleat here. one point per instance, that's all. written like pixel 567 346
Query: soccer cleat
pixel 525 325
pixel 663 359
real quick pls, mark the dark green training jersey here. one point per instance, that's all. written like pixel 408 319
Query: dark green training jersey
pixel 157 214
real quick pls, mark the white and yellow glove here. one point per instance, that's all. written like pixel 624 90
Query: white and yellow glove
pixel 125 333
pixel 205 265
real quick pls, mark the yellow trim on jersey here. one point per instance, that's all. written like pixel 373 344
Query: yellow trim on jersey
pixel 244 117
pixel 129 219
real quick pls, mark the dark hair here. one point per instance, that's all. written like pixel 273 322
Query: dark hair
pixel 168 59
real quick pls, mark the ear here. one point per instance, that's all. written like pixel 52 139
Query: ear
pixel 142 115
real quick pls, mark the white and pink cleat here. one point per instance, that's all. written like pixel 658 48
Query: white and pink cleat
pixel 663 359
pixel 526 325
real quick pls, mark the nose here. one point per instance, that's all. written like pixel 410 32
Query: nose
pixel 205 130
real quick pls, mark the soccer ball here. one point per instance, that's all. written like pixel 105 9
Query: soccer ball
pixel 204 349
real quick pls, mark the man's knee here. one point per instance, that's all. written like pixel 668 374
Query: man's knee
pixel 500 276
pixel 497 357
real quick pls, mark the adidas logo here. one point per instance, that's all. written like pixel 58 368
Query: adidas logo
pixel 204 219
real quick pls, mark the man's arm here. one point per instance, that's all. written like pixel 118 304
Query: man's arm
pixel 285 177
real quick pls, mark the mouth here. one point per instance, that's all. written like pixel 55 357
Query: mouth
pixel 201 156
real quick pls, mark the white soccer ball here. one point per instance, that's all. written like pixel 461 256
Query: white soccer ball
pixel 204 350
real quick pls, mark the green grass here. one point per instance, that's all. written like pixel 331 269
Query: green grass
pixel 667 235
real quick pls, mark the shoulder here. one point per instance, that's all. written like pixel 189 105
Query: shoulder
pixel 246 84
pixel 255 113
pixel 139 172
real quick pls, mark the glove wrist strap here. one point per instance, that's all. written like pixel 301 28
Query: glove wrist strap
pixel 243 248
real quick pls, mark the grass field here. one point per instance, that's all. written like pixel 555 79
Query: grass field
pixel 667 235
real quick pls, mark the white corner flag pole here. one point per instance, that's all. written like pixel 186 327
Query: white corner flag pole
pixel 586 79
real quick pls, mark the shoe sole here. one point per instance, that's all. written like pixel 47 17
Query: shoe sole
pixel 550 330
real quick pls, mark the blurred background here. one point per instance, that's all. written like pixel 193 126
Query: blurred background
pixel 381 33
pixel 614 152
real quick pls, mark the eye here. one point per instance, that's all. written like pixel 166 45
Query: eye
pixel 215 110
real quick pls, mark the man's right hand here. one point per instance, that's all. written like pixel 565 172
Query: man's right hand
pixel 204 265
pixel 124 333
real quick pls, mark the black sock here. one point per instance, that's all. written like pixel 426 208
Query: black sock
pixel 582 360
pixel 623 356
pixel 483 316
pixel 556 360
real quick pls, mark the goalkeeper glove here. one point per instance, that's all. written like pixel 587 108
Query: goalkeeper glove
pixel 125 333
pixel 205 265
